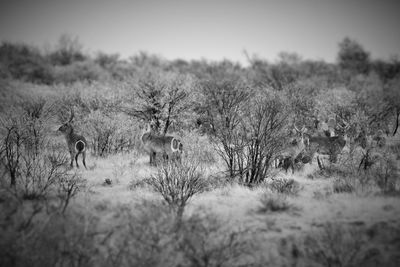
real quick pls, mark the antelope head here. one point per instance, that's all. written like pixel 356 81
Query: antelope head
pixel 342 127
pixel 66 128
pixel 301 132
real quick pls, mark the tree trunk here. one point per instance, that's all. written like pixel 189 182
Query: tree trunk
pixel 397 123
pixel 13 179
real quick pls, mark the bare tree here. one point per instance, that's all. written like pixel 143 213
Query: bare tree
pixel 12 146
pixel 163 100
pixel 221 109
pixel 262 137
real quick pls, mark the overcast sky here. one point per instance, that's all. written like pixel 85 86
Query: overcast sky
pixel 212 30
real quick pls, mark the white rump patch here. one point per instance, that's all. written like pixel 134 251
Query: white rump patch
pixel 76 144
pixel 172 145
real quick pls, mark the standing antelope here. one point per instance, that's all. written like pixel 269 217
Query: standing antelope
pixel 328 144
pixel 373 149
pixel 294 153
pixel 168 146
pixel 76 143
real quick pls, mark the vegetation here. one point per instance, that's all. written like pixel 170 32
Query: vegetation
pixel 233 122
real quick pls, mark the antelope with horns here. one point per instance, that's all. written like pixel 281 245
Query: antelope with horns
pixel 328 143
pixel 168 146
pixel 76 143
pixel 294 153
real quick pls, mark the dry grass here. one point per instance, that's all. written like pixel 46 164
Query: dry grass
pixel 238 207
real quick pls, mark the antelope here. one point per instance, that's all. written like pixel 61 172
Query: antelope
pixel 168 146
pixel 294 153
pixel 372 146
pixel 328 144
pixel 76 143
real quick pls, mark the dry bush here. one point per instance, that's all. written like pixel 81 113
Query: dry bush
pixel 246 128
pixel 25 63
pixel 200 147
pixel 40 174
pixel 110 133
pixel 26 152
pixel 37 114
pixel 139 183
pixel 261 134
pixel 273 203
pixel 98 118
pixel 86 70
pixel 68 186
pixel 207 241
pixel 386 172
pixel 14 138
pixel 45 178
pixel 33 236
pixel 213 182
pixel 35 167
pixel 146 237
pixel 343 185
pixel 380 173
pixel 221 105
pixel 383 174
pixel 101 130
pixel 339 245
pixel 285 186
pixel 162 97
pixel 178 182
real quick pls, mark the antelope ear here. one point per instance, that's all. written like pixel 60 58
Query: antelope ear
pixel 72 115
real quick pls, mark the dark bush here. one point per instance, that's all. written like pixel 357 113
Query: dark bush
pixel 24 63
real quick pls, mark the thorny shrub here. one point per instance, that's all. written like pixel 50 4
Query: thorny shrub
pixel 340 245
pixel 273 203
pixel 285 186
pixel 150 238
pixel 31 236
pixel 342 185
pixel 178 182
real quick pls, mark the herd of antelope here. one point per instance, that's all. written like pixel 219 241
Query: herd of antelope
pixel 329 141
pixel 169 147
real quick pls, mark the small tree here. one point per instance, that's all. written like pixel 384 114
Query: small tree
pixel 12 146
pixel 25 63
pixel 161 99
pixel 102 129
pixel 352 57
pixel 221 108
pixel 68 50
pixel 261 137
pixel 178 183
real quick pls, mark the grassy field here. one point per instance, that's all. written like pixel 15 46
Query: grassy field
pixel 340 224
pixel 309 218
pixel 206 211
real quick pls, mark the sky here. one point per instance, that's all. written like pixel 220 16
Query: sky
pixel 211 30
